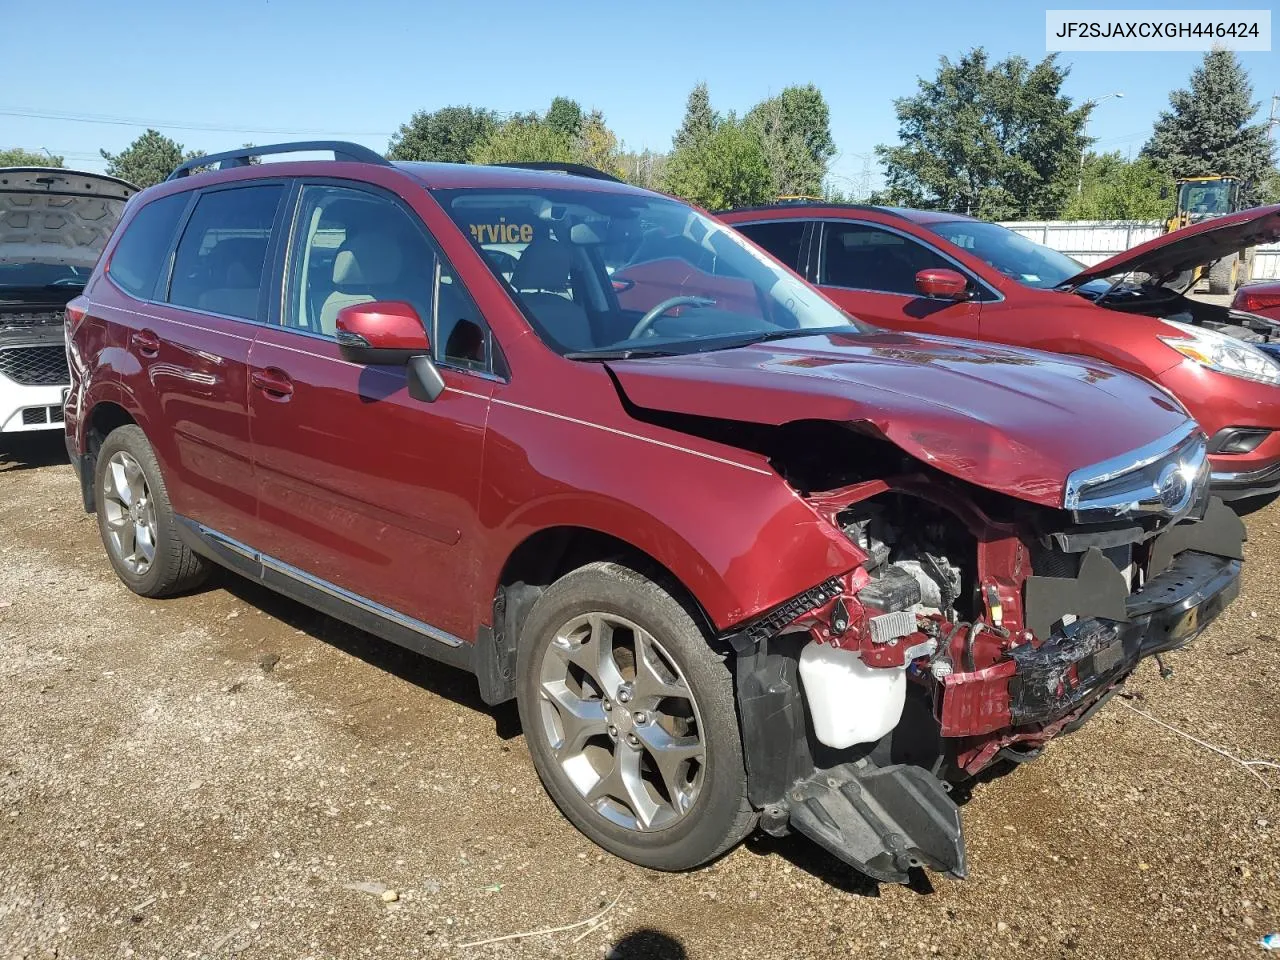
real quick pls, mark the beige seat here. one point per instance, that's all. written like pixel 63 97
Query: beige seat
pixel 368 267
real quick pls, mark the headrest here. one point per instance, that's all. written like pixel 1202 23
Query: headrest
pixel 544 265
pixel 367 258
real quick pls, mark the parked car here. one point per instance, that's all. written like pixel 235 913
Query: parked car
pixel 739 557
pixel 1261 299
pixel 948 274
pixel 53 225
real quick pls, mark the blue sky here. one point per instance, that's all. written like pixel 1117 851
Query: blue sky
pixel 264 70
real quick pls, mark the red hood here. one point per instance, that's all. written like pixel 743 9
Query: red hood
pixel 1014 421
pixel 1191 246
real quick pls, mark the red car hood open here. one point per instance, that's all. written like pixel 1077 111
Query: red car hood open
pixel 1191 246
pixel 1014 421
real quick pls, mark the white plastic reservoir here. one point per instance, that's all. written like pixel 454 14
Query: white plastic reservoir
pixel 849 701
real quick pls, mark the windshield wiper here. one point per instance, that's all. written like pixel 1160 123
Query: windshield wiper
pixel 631 354
pixel 786 334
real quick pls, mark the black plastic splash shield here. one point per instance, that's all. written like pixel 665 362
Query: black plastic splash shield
pixel 881 820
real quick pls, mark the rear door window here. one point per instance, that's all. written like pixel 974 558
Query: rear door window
pixel 863 257
pixel 221 259
pixel 139 258
pixel 782 238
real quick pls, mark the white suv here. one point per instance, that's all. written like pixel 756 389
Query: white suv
pixel 53 225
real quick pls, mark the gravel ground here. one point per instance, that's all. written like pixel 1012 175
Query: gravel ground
pixel 231 773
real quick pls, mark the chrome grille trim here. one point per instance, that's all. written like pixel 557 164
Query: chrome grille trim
pixel 1146 480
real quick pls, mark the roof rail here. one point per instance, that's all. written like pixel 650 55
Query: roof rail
pixel 574 169
pixel 342 150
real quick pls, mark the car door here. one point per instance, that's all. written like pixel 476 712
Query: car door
pixel 870 271
pixel 192 343
pixel 359 486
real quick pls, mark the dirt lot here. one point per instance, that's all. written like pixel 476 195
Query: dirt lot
pixel 231 773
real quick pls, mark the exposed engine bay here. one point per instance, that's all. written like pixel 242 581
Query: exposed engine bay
pixel 961 641
pixel 1167 303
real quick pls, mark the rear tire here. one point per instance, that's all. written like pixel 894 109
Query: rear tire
pixel 136 521
pixel 1222 274
pixel 631 721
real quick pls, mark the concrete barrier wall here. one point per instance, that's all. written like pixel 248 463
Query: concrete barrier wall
pixel 1091 241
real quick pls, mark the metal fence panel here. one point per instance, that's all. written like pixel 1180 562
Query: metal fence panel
pixel 1092 241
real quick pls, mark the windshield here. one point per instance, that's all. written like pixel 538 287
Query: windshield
pixel 605 273
pixel 1205 198
pixel 40 275
pixel 1012 254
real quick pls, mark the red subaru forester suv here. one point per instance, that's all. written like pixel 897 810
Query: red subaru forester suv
pixel 943 273
pixel 739 558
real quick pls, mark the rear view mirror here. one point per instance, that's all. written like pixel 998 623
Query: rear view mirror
pixel 390 332
pixel 939 283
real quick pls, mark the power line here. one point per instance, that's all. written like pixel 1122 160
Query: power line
pixel 176 125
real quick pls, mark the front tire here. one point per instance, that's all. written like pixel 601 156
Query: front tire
pixel 630 719
pixel 136 520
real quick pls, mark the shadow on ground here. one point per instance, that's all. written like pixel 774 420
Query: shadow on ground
pixel 647 944
pixel 27 451
pixel 431 675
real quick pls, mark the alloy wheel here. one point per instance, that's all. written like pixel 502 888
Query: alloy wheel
pixel 129 513
pixel 622 722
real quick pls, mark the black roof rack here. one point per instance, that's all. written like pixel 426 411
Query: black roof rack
pixel 791 204
pixel 575 169
pixel 342 150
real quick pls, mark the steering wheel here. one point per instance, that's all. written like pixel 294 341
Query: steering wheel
pixel 658 309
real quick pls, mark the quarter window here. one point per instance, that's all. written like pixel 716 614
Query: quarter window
pixel 139 257
pixel 863 257
pixel 221 258
pixel 783 238
pixel 352 246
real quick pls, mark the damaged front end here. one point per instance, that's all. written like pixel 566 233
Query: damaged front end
pixel 978 628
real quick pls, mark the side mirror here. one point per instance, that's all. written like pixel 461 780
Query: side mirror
pixel 939 283
pixel 390 332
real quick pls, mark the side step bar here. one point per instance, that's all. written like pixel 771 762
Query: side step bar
pixel 881 820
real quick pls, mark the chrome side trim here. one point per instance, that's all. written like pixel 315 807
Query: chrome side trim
pixel 324 586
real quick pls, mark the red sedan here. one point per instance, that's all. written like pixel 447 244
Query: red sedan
pixel 943 273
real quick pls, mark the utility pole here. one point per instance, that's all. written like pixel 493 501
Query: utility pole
pixel 1273 122
pixel 1084 149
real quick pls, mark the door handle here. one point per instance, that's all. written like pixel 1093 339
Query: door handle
pixel 146 342
pixel 274 382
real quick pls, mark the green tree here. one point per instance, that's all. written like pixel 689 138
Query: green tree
pixel 565 116
pixel 725 168
pixel 1207 129
pixel 148 160
pixel 17 157
pixel 794 129
pixel 447 135
pixel 996 141
pixel 524 139
pixel 1117 189
pixel 596 145
pixel 700 121
pixel 644 168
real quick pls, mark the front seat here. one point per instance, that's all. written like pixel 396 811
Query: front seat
pixel 366 268
pixel 542 270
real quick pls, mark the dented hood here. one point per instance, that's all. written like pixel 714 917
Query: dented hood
pixel 1190 246
pixel 1013 421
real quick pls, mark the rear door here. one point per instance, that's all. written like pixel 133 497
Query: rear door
pixel 190 339
pixel 359 485
pixel 870 270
